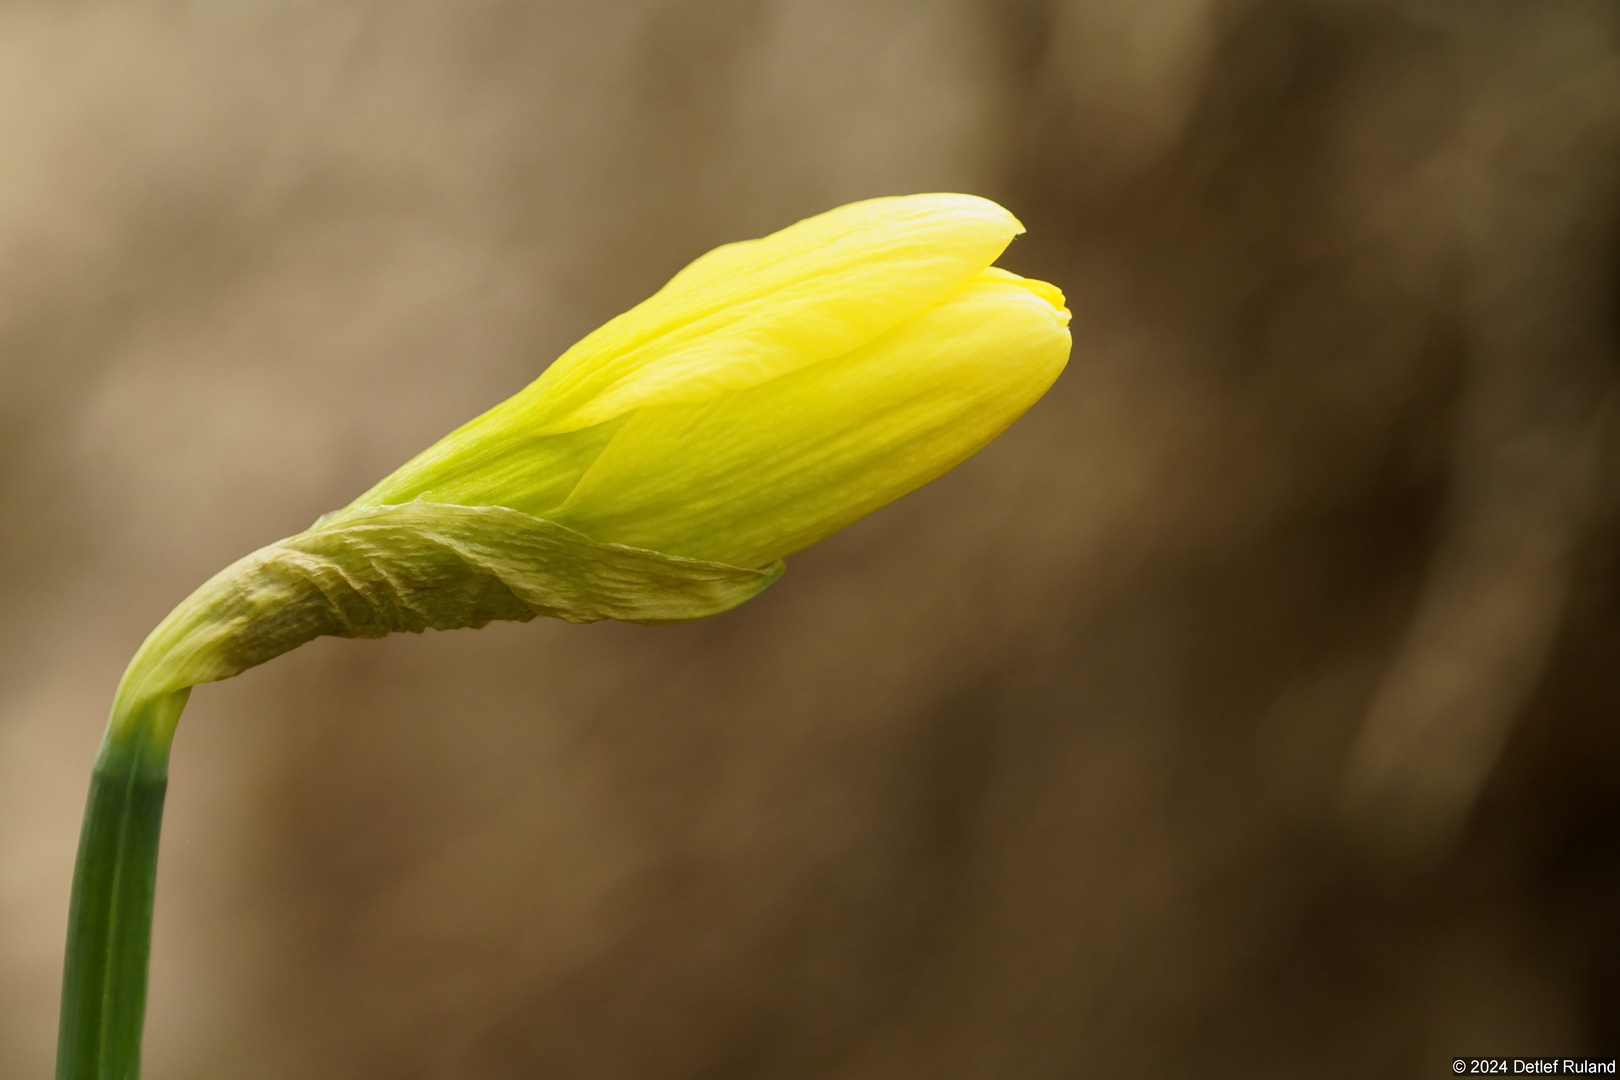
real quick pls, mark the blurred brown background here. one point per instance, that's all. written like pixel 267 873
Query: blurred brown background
pixel 1248 710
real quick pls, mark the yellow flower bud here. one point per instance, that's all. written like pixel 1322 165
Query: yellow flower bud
pixel 773 392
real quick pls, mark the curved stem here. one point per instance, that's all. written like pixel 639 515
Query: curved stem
pixel 110 917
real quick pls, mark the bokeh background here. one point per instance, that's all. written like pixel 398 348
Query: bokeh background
pixel 1248 710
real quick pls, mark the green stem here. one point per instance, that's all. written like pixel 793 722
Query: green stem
pixel 110 917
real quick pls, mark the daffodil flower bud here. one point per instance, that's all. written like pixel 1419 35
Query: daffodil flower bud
pixel 773 392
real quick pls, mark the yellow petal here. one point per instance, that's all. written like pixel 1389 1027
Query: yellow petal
pixel 749 312
pixel 487 464
pixel 751 476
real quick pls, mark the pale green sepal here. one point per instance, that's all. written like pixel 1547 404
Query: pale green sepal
pixel 415 566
